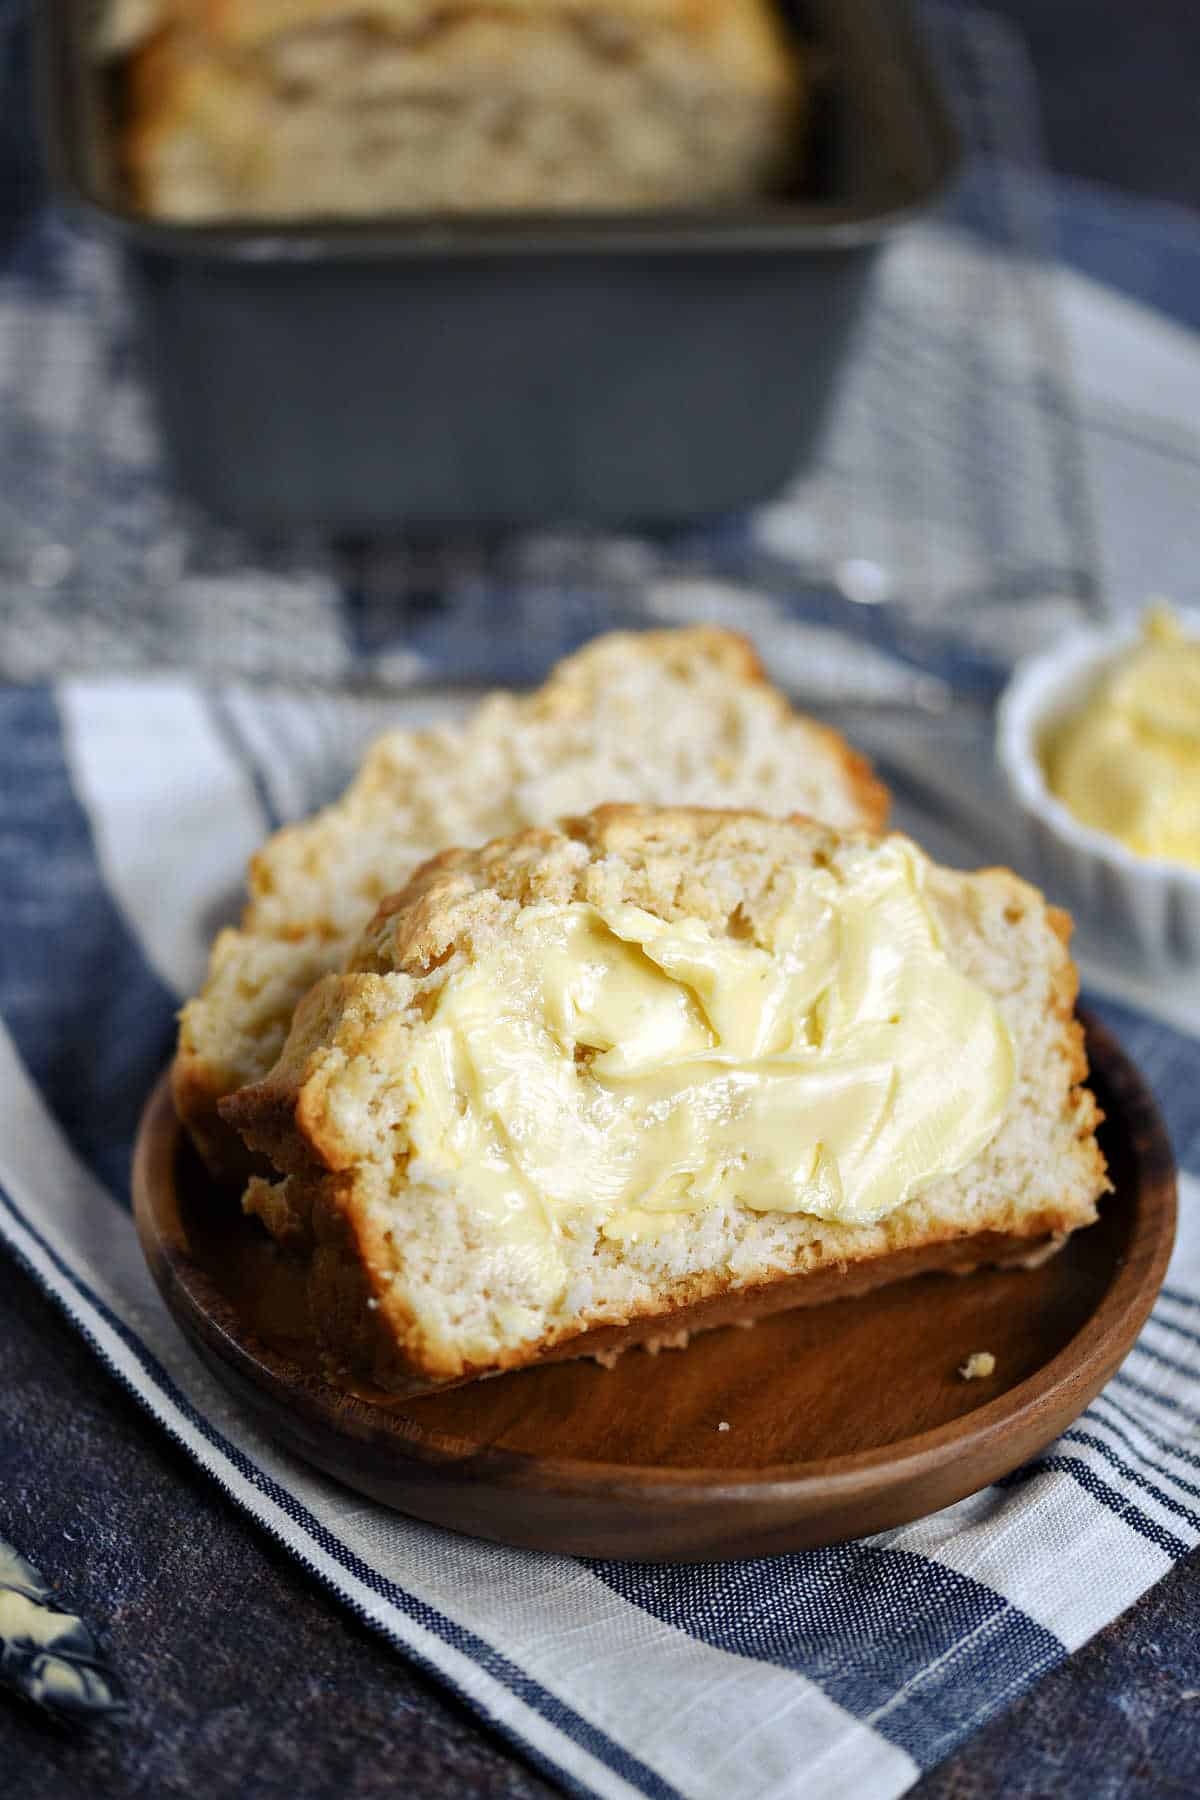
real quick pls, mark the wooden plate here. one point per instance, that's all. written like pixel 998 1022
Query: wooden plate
pixel 843 1419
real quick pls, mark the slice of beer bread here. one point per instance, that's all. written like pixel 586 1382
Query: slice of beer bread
pixel 416 1277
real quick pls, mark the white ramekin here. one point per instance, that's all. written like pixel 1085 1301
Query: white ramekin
pixel 1149 901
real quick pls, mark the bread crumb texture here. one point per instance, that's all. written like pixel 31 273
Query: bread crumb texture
pixel 662 717
pixel 452 1300
pixel 978 1366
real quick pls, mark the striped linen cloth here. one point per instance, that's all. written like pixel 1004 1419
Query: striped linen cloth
pixel 1003 498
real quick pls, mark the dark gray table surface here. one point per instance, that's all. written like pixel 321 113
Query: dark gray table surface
pixel 1120 89
pixel 245 1680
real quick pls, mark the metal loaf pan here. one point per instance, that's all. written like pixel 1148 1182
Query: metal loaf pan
pixel 626 368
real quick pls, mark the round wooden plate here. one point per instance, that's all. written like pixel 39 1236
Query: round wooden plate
pixel 842 1419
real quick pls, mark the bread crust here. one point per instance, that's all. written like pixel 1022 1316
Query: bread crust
pixel 873 799
pixel 196 1091
pixel 364 1335
pixel 245 24
pixel 454 901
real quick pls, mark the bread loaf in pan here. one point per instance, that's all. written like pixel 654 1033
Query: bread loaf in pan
pixel 284 109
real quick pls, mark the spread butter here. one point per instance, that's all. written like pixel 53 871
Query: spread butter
pixel 1128 763
pixel 608 1068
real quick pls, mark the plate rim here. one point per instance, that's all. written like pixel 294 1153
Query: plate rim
pixel 1100 1344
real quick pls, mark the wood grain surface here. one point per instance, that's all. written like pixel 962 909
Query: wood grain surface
pixel 842 1419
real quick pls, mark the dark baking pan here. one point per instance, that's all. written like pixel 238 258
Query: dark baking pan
pixel 632 367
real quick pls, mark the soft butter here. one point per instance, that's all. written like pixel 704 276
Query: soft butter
pixel 605 1068
pixel 1128 762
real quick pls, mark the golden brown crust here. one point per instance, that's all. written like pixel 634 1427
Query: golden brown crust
pixel 282 1117
pixel 196 1093
pixel 153 103
pixel 365 1331
pixel 873 799
pixel 364 1336
pixel 245 24
pixel 737 658
pixel 1066 992
pixel 414 929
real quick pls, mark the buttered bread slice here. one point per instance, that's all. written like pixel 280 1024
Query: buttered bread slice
pixel 666 717
pixel 656 1068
